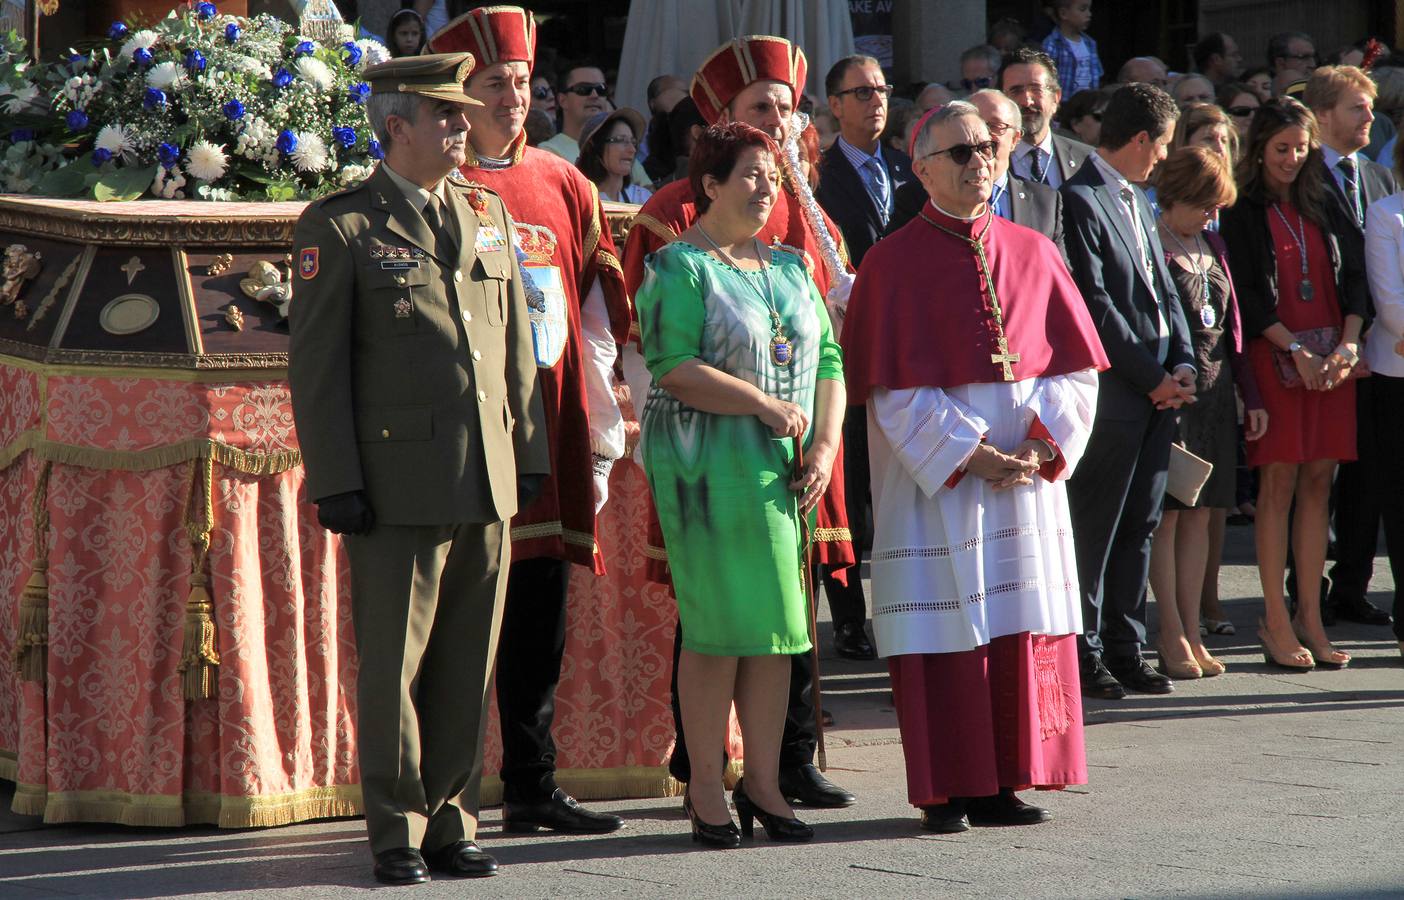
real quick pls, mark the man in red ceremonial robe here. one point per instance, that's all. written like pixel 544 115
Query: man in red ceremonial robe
pixel 757 80
pixel 981 393
pixel 579 313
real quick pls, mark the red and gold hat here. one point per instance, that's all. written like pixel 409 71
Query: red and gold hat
pixel 493 34
pixel 737 64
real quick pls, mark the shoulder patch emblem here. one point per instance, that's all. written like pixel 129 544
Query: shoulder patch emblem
pixel 308 262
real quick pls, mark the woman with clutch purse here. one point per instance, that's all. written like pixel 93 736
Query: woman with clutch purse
pixel 1302 294
pixel 1193 184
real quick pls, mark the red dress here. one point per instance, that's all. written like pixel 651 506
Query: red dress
pixel 1303 425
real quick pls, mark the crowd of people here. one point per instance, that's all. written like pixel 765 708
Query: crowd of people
pixel 1041 336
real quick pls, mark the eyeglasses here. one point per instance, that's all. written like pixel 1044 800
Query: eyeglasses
pixel 1037 89
pixel 622 141
pixel 997 128
pixel 961 153
pixel 541 92
pixel 976 84
pixel 1241 112
pixel 585 89
pixel 865 92
pixel 1301 57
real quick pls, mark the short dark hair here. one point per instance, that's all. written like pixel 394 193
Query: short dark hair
pixel 1083 103
pixel 1027 56
pixel 982 51
pixel 655 87
pixel 716 154
pixel 1277 46
pixel 833 82
pixel 1210 45
pixel 563 75
pixel 1134 108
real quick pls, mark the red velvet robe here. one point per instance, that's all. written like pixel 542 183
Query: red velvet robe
pixel 669 213
pixel 542 191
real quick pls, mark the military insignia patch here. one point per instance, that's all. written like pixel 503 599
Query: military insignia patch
pixel 403 309
pixel 308 262
pixel 477 198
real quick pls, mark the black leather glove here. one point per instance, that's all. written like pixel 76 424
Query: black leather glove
pixel 348 513
pixel 528 489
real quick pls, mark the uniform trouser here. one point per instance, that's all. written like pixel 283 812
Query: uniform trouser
pixel 426 602
pixel 528 671
pixel 1358 495
pixel 1115 499
pixel 846 602
pixel 797 743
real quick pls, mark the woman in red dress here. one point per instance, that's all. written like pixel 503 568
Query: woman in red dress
pixel 1304 304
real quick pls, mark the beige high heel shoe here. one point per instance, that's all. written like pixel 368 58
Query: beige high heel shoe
pixel 1177 669
pixel 1298 659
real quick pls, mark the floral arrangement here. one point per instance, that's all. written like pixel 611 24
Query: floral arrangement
pixel 202 105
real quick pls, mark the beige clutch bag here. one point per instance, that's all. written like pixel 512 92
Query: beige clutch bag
pixel 1188 474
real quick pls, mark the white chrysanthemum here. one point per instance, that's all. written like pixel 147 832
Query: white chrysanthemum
pixel 311 154
pixel 21 99
pixel 206 161
pixel 165 75
pixel 314 70
pixel 168 184
pixel 115 140
pixel 144 38
pixel 354 174
pixel 254 67
pixel 373 53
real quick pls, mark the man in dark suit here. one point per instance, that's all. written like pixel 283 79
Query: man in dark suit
pixel 1343 97
pixel 859 180
pixel 1035 206
pixel 1117 492
pixel 1030 78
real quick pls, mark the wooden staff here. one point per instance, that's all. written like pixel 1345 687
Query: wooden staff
pixel 807 585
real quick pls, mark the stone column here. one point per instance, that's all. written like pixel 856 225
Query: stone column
pixel 927 37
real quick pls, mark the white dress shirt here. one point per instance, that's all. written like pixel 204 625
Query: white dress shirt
pixel 1121 186
pixel 1384 266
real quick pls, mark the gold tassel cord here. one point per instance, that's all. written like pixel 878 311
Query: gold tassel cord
pixel 32 641
pixel 199 653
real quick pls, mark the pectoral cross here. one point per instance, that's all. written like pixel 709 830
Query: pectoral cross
pixel 1004 357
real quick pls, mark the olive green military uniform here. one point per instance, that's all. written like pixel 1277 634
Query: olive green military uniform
pixel 413 380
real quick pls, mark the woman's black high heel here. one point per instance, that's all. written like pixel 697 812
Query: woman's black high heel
pixel 777 828
pixel 724 837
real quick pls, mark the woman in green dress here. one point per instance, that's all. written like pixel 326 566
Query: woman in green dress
pixel 743 361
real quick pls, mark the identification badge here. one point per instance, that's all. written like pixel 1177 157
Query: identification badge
pixel 489 239
pixel 399 264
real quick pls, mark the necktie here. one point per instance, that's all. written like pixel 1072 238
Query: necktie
pixel 1162 350
pixel 443 238
pixel 1352 188
pixel 1038 166
pixel 877 180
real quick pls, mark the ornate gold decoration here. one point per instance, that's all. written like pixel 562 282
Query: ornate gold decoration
pixel 85 223
pixel 199 653
pixel 129 314
pixel 65 277
pixel 115 360
pixel 32 639
pixel 220 264
pixel 133 268
pixel 235 317
pixel 266 284
pixel 20 266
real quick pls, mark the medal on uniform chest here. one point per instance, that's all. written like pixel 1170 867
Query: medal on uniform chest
pixel 782 352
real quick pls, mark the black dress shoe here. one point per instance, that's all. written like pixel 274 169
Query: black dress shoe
pixel 806 784
pixel 948 818
pixel 462 859
pixel 1356 609
pixel 1098 682
pixel 560 812
pixel 851 642
pixel 1004 808
pixel 403 865
pixel 1137 674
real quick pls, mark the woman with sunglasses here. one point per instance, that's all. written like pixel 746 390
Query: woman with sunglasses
pixel 543 95
pixel 1239 101
pixel 1304 302
pixel 609 143
pixel 1082 115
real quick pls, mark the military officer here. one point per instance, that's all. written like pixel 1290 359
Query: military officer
pixel 414 390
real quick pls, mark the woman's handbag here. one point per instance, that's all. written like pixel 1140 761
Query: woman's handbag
pixel 1319 342
pixel 1188 475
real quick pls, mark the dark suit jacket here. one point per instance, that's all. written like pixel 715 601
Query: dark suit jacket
pixel 1376 183
pixel 1118 291
pixel 845 198
pixel 1070 155
pixel 1035 206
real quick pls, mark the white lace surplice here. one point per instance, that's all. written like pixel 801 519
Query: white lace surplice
pixel 954 567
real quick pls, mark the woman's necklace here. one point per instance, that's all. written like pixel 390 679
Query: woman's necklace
pixel 782 349
pixel 1307 291
pixel 1206 309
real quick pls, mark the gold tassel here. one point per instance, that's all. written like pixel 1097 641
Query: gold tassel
pixel 199 652
pixel 32 641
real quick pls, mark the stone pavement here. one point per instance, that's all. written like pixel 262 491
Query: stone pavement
pixel 1259 783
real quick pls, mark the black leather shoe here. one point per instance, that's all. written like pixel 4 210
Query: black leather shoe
pixel 1137 674
pixel 403 865
pixel 948 818
pixel 1003 808
pixel 851 642
pixel 1356 609
pixel 462 859
pixel 807 785
pixel 1098 682
pixel 560 813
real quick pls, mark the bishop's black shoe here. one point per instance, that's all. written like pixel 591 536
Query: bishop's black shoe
pixel 851 642
pixel 948 818
pixel 1004 808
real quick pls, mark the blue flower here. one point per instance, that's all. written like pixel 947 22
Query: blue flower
pixel 20 135
pixel 77 59
pixel 142 56
pixel 352 52
pixel 304 48
pixel 233 110
pixel 206 11
pixel 282 78
pixel 374 149
pixel 154 98
pixel 231 32
pixel 77 120
pixel 169 154
pixel 101 155
pixel 117 30
pixel 195 61
pixel 287 141
pixel 359 92
pixel 345 135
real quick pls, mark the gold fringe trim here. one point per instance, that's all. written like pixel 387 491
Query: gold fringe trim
pixel 172 811
pixel 32 638
pixel 620 783
pixel 658 553
pixel 185 376
pixel 827 535
pixel 23 443
pixel 9 766
pixel 247 461
pixel 554 529
pixel 199 650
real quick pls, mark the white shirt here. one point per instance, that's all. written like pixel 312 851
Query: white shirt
pixel 1145 263
pixel 1022 162
pixel 1384 266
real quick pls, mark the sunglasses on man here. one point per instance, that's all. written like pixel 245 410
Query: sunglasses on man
pixel 585 89
pixel 960 153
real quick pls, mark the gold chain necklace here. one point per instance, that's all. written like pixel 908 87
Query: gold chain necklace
pixel 782 349
pixel 1003 358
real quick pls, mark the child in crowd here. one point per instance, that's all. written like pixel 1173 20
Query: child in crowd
pixel 1072 48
